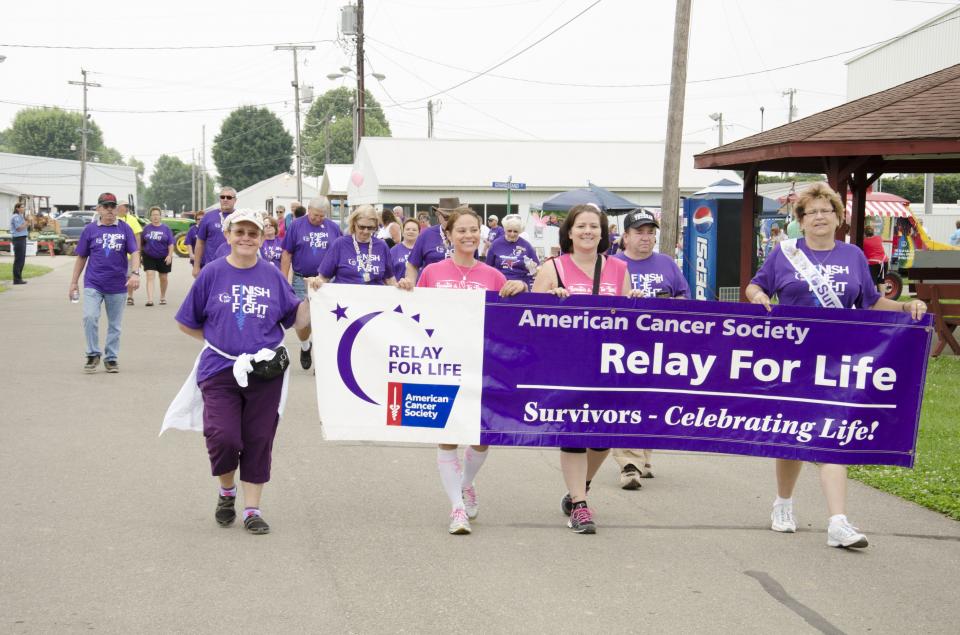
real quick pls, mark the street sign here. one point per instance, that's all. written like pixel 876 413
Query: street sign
pixel 505 185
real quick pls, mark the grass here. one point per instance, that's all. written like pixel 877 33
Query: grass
pixel 29 271
pixel 934 482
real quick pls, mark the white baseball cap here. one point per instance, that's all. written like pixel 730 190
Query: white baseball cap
pixel 243 215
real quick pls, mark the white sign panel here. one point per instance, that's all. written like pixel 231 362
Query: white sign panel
pixel 398 365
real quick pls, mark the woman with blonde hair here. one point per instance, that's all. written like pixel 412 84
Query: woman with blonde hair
pixel 820 271
pixel 358 257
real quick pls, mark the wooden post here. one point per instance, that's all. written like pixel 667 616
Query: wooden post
pixel 747 240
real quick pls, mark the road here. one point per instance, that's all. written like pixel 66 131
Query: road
pixel 106 527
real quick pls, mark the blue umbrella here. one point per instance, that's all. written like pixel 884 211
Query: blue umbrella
pixel 604 199
pixel 727 189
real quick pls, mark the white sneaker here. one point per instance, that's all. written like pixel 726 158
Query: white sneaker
pixel 471 502
pixel 781 519
pixel 841 533
pixel 459 524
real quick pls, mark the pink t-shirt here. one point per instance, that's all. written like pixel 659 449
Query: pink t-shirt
pixel 612 275
pixel 446 274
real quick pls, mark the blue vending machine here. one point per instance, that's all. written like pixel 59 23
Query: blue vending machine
pixel 700 247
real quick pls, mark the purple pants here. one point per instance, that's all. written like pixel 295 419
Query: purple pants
pixel 240 424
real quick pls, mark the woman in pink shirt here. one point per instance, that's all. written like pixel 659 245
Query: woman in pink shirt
pixel 582 269
pixel 463 271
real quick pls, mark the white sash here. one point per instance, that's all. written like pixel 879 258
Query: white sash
pixel 186 410
pixel 811 274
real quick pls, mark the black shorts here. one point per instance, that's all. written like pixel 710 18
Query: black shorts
pixel 582 450
pixel 877 272
pixel 155 264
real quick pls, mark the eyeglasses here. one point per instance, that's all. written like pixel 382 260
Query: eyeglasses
pixel 109 206
pixel 249 233
pixel 227 197
pixel 819 212
pixel 366 228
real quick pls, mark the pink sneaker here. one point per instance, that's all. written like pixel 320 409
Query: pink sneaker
pixel 471 502
pixel 459 523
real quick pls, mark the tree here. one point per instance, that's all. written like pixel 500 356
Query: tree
pixel 141 187
pixel 946 188
pixel 330 122
pixel 170 184
pixel 252 145
pixel 49 132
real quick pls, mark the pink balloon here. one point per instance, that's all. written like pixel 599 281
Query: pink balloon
pixel 356 178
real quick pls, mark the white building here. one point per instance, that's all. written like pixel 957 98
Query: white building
pixel 58 180
pixel 333 185
pixel 274 191
pixel 416 173
pixel 924 49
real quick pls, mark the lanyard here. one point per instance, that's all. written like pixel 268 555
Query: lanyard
pixel 368 266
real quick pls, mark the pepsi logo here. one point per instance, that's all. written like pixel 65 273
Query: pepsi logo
pixel 703 219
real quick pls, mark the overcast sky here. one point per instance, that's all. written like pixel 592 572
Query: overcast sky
pixel 428 46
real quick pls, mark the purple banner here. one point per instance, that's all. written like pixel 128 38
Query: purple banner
pixel 828 385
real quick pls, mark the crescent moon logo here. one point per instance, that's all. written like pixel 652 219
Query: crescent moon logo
pixel 344 352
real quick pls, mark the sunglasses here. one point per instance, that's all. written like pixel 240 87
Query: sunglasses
pixel 109 206
pixel 366 228
pixel 226 197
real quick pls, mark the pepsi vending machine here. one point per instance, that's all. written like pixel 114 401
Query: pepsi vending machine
pixel 700 248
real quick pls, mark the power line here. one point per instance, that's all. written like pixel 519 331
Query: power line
pixel 508 59
pixel 188 47
pixel 655 84
pixel 144 112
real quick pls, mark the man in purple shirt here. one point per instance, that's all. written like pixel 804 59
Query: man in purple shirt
pixel 431 245
pixel 304 246
pixel 210 233
pixel 104 245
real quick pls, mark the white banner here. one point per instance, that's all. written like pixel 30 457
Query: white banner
pixel 398 365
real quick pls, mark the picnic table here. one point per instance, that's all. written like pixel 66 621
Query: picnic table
pixel 933 285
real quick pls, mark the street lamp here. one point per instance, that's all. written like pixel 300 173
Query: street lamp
pixel 358 114
pixel 718 117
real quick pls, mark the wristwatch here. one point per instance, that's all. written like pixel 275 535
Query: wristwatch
pixel 135 273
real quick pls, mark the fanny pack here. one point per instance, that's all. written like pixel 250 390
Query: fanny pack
pixel 264 369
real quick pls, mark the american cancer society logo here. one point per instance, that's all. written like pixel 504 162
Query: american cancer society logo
pixel 411 355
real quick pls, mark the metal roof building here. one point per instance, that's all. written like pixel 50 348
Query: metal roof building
pixel 416 173
pixel 924 49
pixel 59 179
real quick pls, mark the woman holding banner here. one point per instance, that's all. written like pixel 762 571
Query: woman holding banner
pixel 818 270
pixel 359 257
pixel 584 270
pixel 463 271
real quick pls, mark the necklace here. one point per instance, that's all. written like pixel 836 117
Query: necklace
pixel 462 272
pixel 822 263
pixel 367 267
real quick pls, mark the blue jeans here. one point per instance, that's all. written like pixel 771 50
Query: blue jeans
pixel 92 299
pixel 299 286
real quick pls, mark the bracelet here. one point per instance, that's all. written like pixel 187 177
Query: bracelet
pixel 134 273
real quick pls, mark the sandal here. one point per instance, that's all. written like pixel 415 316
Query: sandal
pixel 129 301
pixel 256 525
pixel 163 301
pixel 149 303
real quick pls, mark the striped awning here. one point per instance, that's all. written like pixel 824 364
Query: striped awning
pixel 882 208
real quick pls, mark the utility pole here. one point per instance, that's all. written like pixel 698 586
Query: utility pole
pixel 790 92
pixel 193 179
pixel 296 107
pixel 360 89
pixel 430 119
pixel 671 157
pixel 761 118
pixel 718 117
pixel 326 139
pixel 84 131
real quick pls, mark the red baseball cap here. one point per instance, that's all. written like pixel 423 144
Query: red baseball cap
pixel 107 198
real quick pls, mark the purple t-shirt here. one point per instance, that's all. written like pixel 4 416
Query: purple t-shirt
pixel 156 240
pixel 191 238
pixel 341 264
pixel 429 248
pixel 657 275
pixel 222 250
pixel 509 258
pixel 399 254
pixel 495 233
pixel 271 250
pixel 211 232
pixel 307 243
pixel 845 268
pixel 239 310
pixel 106 248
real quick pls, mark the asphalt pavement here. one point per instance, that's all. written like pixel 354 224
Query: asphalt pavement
pixel 107 527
